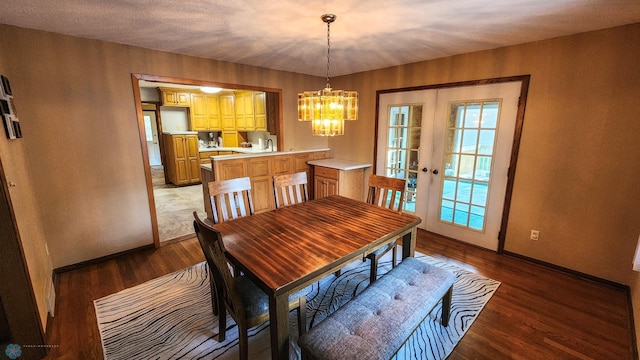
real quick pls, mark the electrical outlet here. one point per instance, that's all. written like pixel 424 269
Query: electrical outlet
pixel 535 235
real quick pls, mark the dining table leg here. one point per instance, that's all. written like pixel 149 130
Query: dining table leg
pixel 409 243
pixel 279 326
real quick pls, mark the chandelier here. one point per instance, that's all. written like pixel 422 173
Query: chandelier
pixel 327 109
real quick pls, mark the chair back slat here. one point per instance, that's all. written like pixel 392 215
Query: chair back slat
pixel 386 192
pixel 290 189
pixel 213 248
pixel 230 199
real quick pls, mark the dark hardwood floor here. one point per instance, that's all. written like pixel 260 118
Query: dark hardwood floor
pixel 536 313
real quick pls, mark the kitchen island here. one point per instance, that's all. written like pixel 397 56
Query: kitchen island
pixel 260 166
pixel 206 152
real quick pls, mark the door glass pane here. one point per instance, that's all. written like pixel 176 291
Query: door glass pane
pixel 472 116
pixel 455 137
pixel 464 191
pixel 403 146
pixel 446 211
pixel 449 189
pixel 468 154
pixel 490 115
pixel 147 127
pixel 466 166
pixel 469 141
pixel 486 141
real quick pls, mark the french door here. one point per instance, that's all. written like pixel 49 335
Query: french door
pixel 453 147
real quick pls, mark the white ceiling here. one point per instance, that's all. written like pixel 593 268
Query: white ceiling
pixel 289 35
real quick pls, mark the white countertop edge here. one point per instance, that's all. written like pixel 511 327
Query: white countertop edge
pixel 177 132
pixel 249 150
pixel 340 164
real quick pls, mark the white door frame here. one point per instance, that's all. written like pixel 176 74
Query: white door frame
pixel 524 79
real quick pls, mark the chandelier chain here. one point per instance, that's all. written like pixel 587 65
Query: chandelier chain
pixel 328 52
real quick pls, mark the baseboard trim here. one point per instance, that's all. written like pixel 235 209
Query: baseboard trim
pixel 568 271
pixel 178 239
pixel 99 260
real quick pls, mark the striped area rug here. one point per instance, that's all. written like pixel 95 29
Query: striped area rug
pixel 170 317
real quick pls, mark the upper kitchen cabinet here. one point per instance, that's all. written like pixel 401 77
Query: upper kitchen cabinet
pixel 204 112
pixel 251 111
pixel 174 97
pixel 245 118
pixel 260 110
pixel 227 111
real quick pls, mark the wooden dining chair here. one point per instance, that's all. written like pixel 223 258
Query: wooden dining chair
pixel 230 199
pixel 247 304
pixel 290 189
pixel 388 193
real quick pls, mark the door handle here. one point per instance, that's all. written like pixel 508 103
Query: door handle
pixel 425 170
pixel 435 171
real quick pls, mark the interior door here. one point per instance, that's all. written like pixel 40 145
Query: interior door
pixel 455 157
pixel 151 132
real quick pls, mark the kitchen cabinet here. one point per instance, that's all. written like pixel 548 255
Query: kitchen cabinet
pixel 205 156
pixel 282 165
pixel 174 97
pixel 230 169
pixel 299 162
pixel 227 111
pixel 251 110
pixel 232 138
pixel 260 110
pixel 338 177
pixel 325 182
pixel 260 172
pixel 261 168
pixel 245 118
pixel 182 158
pixel 204 113
pixel 240 110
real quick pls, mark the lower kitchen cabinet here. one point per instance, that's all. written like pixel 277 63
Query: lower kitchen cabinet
pixel 205 156
pixel 338 177
pixel 260 169
pixel 182 158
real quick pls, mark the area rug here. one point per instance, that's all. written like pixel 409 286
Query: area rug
pixel 170 317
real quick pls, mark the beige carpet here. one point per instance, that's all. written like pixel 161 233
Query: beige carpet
pixel 175 206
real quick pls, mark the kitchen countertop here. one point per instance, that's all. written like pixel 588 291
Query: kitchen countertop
pixel 340 164
pixel 250 150
pixel 247 153
pixel 181 132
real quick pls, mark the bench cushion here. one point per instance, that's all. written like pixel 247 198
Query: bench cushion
pixel 378 321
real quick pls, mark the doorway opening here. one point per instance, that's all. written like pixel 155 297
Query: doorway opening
pixel 171 206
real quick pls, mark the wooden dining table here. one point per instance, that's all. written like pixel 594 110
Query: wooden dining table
pixel 287 249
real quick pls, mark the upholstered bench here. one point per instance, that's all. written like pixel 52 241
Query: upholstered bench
pixel 376 323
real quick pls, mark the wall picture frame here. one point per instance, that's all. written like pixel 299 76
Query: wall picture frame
pixel 7 109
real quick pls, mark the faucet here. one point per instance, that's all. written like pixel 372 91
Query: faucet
pixel 269 141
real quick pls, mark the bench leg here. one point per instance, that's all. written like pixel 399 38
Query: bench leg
pixel 446 306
